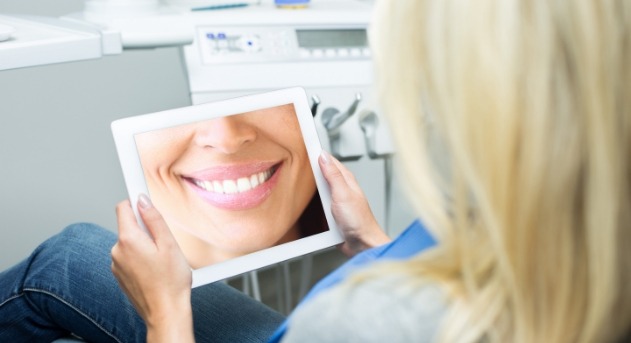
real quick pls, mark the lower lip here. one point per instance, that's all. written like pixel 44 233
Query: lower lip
pixel 239 201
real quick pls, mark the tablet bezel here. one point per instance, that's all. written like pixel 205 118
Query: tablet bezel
pixel 124 131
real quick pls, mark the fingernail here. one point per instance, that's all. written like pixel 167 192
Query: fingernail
pixel 326 158
pixel 144 201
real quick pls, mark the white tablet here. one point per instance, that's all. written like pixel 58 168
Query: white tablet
pixel 237 181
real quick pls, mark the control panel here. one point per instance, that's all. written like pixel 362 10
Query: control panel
pixel 241 44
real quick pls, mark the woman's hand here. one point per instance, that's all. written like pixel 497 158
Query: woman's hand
pixel 154 274
pixel 350 208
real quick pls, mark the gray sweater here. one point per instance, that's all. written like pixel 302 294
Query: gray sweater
pixel 385 309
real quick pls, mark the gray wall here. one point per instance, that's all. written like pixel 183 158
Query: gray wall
pixel 58 164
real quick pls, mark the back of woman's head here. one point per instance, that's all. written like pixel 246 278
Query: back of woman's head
pixel 529 102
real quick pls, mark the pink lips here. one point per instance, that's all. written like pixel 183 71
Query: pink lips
pixel 236 201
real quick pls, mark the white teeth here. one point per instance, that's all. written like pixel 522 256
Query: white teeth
pixel 218 187
pixel 240 185
pixel 208 185
pixel 243 184
pixel 254 180
pixel 230 187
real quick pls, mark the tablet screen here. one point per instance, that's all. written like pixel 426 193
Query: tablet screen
pixel 233 185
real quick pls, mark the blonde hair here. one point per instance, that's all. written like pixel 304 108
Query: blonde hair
pixel 531 100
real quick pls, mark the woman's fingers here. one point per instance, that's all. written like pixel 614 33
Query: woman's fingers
pixel 125 217
pixel 150 266
pixel 350 208
pixel 132 239
pixel 128 227
pixel 332 173
pixel 348 176
pixel 154 222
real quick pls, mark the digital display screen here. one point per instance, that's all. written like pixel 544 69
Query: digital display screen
pixel 332 38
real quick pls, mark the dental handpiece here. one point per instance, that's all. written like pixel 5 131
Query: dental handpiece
pixel 368 122
pixel 333 119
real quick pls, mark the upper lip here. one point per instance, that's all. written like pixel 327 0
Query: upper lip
pixel 230 172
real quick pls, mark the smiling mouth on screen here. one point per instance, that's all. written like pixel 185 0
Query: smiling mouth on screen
pixel 238 187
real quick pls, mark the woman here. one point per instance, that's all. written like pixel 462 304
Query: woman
pixel 220 183
pixel 530 211
pixel 530 101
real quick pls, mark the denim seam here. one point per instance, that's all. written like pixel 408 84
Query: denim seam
pixel 11 298
pixel 75 309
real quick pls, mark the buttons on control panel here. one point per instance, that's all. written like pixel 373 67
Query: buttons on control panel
pixel 249 43
pixel 217 42
pixel 305 53
pixel 245 44
pixel 332 53
pixel 317 53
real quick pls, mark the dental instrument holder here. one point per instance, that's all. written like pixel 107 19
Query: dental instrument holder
pixel 332 119
pixel 369 123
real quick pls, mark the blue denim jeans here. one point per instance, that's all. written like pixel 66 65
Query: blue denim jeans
pixel 66 286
